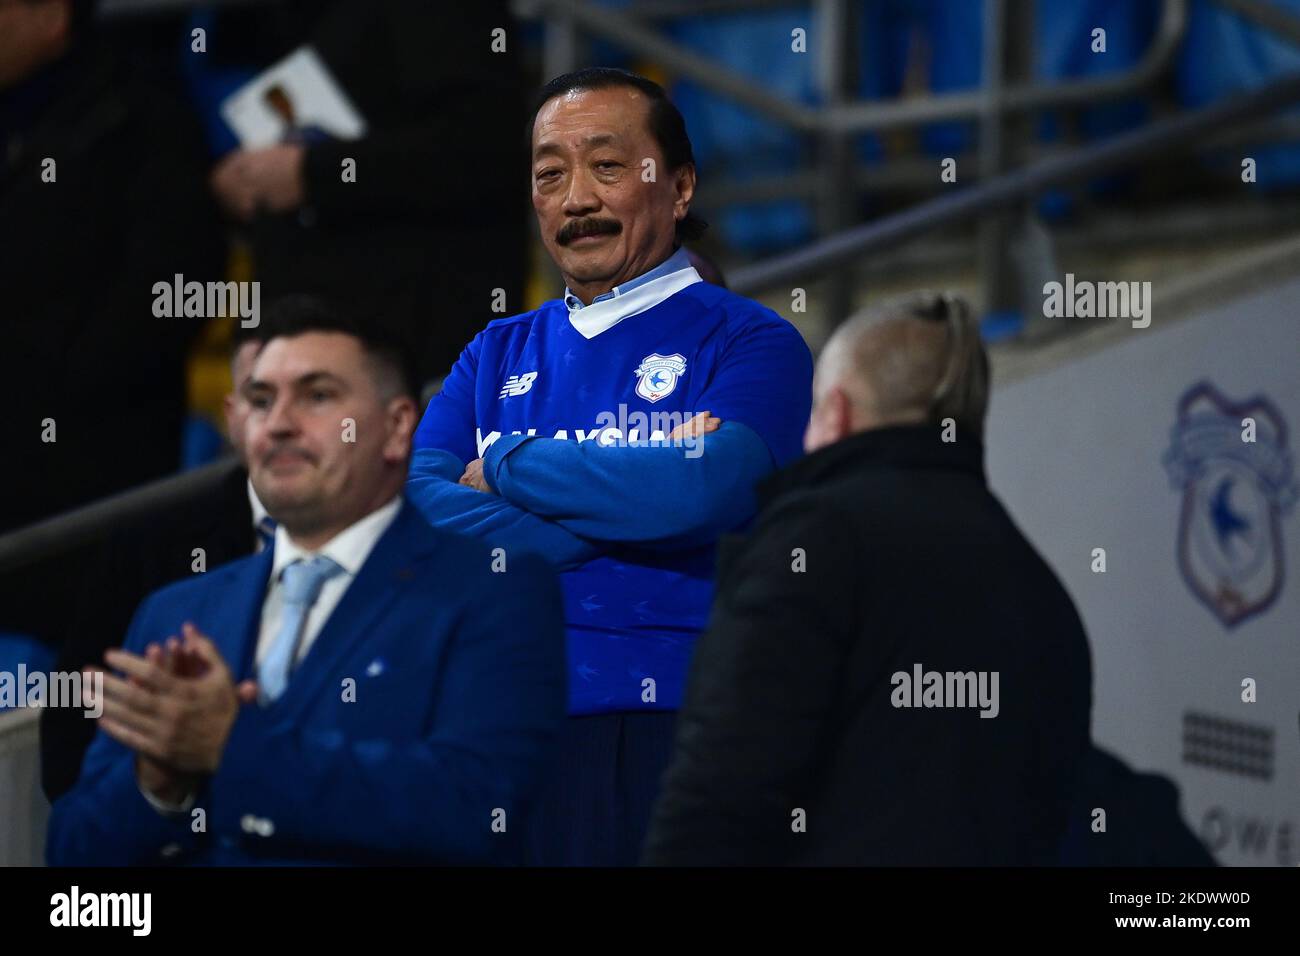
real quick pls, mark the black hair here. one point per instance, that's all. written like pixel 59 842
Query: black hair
pixel 298 314
pixel 666 123
pixel 241 333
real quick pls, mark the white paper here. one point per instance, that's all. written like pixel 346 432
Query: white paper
pixel 297 92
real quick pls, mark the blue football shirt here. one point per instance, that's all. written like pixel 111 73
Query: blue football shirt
pixel 671 345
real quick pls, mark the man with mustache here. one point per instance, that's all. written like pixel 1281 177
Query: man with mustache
pixel 360 691
pixel 618 431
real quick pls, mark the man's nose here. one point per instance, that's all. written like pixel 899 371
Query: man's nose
pixel 580 198
pixel 280 418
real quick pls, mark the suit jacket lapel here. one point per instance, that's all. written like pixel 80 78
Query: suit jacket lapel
pixel 387 570
pixel 241 605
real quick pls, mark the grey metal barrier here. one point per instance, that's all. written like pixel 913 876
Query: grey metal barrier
pixel 1176 132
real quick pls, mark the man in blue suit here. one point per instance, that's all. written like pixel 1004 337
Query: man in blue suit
pixel 367 690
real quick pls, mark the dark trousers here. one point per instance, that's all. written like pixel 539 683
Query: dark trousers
pixel 595 809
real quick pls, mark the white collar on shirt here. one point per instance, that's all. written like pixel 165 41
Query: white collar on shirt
pixel 254 502
pixel 601 316
pixel 349 548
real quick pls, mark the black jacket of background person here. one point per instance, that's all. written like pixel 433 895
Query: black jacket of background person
pixel 909 560
pixel 129 207
pixel 111 580
pixel 438 215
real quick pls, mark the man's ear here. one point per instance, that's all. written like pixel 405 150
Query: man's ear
pixel 839 412
pixel 403 417
pixel 684 180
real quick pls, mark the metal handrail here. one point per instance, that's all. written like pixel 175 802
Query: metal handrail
pixel 622 27
pixel 1267 15
pixel 618 27
pixel 826 254
pixel 98 519
pixel 1025 97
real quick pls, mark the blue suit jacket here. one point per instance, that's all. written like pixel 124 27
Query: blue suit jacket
pixel 459 696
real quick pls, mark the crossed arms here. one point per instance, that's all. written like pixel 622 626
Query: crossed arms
pixel 572 501
pixel 567 500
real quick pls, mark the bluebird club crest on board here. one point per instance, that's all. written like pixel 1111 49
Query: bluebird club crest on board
pixel 1235 493
pixel 657 375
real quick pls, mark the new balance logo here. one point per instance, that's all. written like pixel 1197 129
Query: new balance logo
pixel 518 384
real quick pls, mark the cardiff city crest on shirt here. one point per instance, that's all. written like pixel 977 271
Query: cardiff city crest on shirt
pixel 1233 466
pixel 657 375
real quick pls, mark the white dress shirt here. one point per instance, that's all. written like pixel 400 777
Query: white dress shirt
pixel 348 549
pixel 255 503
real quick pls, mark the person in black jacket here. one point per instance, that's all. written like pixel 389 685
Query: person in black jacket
pixel 101 196
pixel 892 674
pixel 435 220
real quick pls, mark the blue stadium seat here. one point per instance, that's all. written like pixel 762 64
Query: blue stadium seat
pixel 16 649
pixel 201 442
pixel 1224 54
pixel 1062 52
pixel 732 142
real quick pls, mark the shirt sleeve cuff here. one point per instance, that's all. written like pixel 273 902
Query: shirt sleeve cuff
pixel 496 454
pixel 171 811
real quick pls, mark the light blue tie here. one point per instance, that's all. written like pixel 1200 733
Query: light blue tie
pixel 301 583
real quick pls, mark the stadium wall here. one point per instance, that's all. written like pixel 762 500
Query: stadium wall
pixel 1195 621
